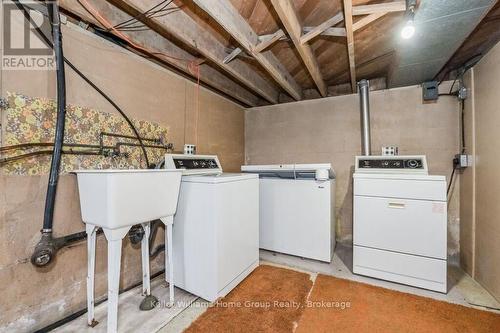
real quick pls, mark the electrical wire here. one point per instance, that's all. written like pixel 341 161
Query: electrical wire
pixel 463 147
pixel 453 84
pixel 197 105
pixel 193 66
pixel 135 19
pixel 462 116
pixel 85 78
pixel 190 64
pixel 451 178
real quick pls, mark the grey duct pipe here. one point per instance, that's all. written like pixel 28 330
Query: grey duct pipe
pixel 364 104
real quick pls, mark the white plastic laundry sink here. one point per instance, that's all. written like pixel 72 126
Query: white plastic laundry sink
pixel 114 199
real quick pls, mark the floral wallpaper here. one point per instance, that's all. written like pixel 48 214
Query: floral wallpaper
pixel 30 120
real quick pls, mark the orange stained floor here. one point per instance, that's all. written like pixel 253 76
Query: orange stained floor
pixel 274 299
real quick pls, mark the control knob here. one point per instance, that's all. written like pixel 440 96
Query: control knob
pixel 413 164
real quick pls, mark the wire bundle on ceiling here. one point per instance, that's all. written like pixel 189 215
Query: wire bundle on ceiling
pixel 134 24
pixel 193 66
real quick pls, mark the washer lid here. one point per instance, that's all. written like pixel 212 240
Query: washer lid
pixel 220 178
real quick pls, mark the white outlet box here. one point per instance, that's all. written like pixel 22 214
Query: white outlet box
pixel 390 150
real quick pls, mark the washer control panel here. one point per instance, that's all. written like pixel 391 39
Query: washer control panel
pixel 199 163
pixel 391 164
pixel 193 164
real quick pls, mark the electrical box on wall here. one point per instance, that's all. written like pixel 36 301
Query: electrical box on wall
pixel 390 151
pixel 462 161
pixel 430 91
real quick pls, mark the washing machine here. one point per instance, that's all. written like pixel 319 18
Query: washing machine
pixel 400 221
pixel 216 227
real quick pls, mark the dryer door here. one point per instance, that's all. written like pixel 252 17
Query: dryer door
pixel 402 225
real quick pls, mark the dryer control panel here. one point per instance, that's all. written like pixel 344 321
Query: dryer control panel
pixel 391 164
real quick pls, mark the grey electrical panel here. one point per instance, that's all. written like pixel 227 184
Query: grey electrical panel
pixel 430 90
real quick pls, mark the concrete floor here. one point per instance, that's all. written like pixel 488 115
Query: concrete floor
pixel 462 289
pixel 130 318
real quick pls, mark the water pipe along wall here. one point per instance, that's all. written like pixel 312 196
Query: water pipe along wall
pixel 159 102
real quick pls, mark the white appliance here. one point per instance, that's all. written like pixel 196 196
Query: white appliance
pixel 216 227
pixel 297 209
pixel 400 221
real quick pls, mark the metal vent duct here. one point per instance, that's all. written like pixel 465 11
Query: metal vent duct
pixel 364 105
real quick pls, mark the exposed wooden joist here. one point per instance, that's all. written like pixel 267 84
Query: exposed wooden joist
pixel 322 27
pixel 269 40
pixel 396 6
pixel 155 42
pixel 232 55
pixel 265 37
pixel 337 90
pixel 289 18
pixel 224 13
pixel 180 25
pixel 333 32
pixel 350 42
pixel 367 20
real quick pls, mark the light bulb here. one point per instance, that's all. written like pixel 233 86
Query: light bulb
pixel 408 30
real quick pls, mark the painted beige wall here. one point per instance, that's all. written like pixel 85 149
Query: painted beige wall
pixel 467 188
pixel 328 130
pixel 483 191
pixel 32 298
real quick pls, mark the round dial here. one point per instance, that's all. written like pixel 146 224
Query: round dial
pixel 413 163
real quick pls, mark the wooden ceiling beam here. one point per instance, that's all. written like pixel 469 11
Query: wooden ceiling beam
pixel 234 53
pixel 396 6
pixel 178 59
pixel 289 18
pixel 333 31
pixel 350 42
pixel 267 41
pixel 224 13
pixel 372 12
pixel 322 27
pixel 184 28
pixel 367 20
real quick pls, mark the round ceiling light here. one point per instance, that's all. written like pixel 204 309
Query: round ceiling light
pixel 408 30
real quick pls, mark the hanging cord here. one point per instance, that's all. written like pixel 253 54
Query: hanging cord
pixel 197 105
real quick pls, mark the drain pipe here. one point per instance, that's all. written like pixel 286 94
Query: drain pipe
pixel 364 103
pixel 46 247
